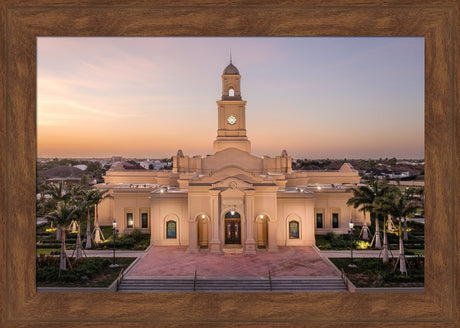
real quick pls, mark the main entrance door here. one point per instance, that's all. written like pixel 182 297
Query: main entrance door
pixel 232 228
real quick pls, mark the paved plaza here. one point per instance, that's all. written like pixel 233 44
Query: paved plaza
pixel 173 262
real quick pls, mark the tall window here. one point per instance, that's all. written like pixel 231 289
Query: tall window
pixel 335 220
pixel 293 230
pixel 144 219
pixel 231 92
pixel 319 220
pixel 129 220
pixel 171 231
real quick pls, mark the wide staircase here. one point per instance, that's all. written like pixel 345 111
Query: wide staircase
pixel 288 284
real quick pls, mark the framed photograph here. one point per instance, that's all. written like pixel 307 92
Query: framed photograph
pixel 22 306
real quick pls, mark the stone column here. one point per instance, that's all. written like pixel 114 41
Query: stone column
pixel 215 245
pixel 272 242
pixel 192 236
pixel 250 243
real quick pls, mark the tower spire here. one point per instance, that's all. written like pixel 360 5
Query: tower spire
pixel 230 56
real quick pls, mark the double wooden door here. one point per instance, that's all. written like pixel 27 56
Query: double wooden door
pixel 233 231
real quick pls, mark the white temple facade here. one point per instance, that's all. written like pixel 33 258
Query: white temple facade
pixel 231 200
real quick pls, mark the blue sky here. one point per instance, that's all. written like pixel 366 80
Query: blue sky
pixel 148 97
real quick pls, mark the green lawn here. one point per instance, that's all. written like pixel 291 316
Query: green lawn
pixel 89 272
pixel 415 244
pixel 46 238
pixel 48 251
pixel 419 252
pixel 371 272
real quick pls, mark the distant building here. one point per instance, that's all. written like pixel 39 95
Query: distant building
pixel 82 167
pixel 230 199
pixel 64 181
pixel 147 164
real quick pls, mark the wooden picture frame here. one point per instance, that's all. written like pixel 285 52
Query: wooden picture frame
pixel 23 21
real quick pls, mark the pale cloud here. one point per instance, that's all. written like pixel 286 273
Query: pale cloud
pixel 60 100
pixel 161 92
pixel 56 85
pixel 124 69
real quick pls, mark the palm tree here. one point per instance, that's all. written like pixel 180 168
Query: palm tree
pixel 400 207
pixel 58 194
pixel 90 198
pixel 76 199
pixel 363 196
pixel 367 197
pixel 417 195
pixel 384 204
pixel 380 190
pixel 98 197
pixel 62 216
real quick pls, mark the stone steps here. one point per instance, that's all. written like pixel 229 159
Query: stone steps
pixel 326 284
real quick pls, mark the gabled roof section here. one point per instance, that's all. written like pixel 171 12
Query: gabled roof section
pixel 226 175
pixel 233 157
pixel 232 184
pixel 346 167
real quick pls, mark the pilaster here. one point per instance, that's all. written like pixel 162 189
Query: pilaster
pixel 272 243
pixel 193 236
pixel 249 243
pixel 215 245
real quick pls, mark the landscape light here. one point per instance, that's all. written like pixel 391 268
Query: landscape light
pixel 114 225
pixel 352 264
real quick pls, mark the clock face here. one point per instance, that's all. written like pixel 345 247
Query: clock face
pixel 231 119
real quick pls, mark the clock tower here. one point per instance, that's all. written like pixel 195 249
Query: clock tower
pixel 231 131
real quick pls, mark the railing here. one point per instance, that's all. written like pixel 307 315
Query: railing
pixel 270 280
pixel 194 282
pixel 120 277
pixel 348 284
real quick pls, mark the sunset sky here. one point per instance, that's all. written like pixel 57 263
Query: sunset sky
pixel 148 97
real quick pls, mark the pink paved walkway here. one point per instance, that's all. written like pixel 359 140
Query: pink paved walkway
pixel 167 261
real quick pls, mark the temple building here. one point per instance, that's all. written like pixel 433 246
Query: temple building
pixel 230 200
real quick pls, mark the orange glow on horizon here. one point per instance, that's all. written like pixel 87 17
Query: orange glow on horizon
pixel 147 97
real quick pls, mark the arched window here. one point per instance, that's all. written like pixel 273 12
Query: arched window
pixel 231 92
pixel 293 230
pixel 230 215
pixel 171 229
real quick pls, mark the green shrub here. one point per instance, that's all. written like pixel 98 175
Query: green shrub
pixel 330 236
pixel 49 245
pixel 137 235
pixel 361 244
pixel 46 261
pixel 135 240
pixel 47 273
pixel 125 242
pixel 372 271
pixel 82 270
pixel 143 244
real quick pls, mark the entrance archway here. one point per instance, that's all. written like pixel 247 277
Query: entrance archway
pixel 262 231
pixel 232 228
